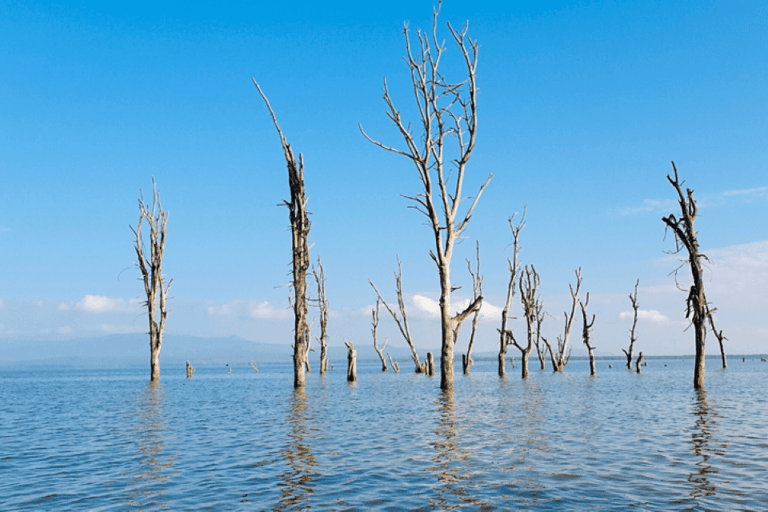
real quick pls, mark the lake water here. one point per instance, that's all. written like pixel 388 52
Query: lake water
pixel 107 440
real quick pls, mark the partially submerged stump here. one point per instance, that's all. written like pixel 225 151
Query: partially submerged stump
pixel 253 365
pixel 639 362
pixel 351 362
pixel 395 365
pixel 190 370
pixel 430 365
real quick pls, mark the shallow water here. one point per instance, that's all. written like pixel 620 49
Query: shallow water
pixel 107 440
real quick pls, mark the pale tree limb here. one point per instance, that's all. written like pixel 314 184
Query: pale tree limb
pixel 513 269
pixel 586 328
pixel 632 336
pixel 375 325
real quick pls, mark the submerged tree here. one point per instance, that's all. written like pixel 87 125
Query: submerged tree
pixel 529 285
pixel 504 339
pixel 585 330
pixel 632 337
pixel 541 348
pixel 322 305
pixel 697 308
pixel 300 225
pixel 152 274
pixel 375 325
pixel 477 291
pixel 402 323
pixel 448 111
pixel 563 355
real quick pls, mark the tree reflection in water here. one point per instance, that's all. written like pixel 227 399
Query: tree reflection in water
pixel 451 462
pixel 703 446
pixel 150 431
pixel 296 481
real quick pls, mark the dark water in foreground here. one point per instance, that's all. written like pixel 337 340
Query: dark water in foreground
pixel 106 440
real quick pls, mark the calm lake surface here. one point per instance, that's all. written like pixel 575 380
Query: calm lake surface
pixel 107 440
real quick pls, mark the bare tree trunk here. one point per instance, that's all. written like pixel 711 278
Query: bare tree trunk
pixel 152 274
pixel 300 225
pixel 685 237
pixel 639 362
pixel 448 111
pixel 430 365
pixel 190 370
pixel 504 333
pixel 375 322
pixel 253 365
pixel 477 291
pixel 529 283
pixel 322 304
pixel 351 362
pixel 632 337
pixel 586 328
pixel 560 360
pixel 540 352
pixel 394 364
pixel 719 336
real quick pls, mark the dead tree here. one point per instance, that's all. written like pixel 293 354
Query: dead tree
pixel 585 329
pixel 253 365
pixel 300 225
pixel 541 348
pixel 719 336
pixel 639 362
pixel 402 323
pixel 375 324
pixel 632 337
pixel 351 362
pixel 513 267
pixel 394 364
pixel 152 274
pixel 563 355
pixel 529 284
pixel 430 365
pixel 477 291
pixel 190 370
pixel 448 112
pixel 697 308
pixel 322 304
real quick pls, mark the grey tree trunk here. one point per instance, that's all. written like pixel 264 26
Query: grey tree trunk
pixel 697 308
pixel 190 370
pixel 152 275
pixel 504 333
pixel 586 328
pixel 477 291
pixel 351 362
pixel 375 324
pixel 639 362
pixel 448 112
pixel 562 356
pixel 632 337
pixel 529 283
pixel 430 364
pixel 322 304
pixel 300 225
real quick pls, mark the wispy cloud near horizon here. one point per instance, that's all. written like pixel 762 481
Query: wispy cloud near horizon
pixel 665 206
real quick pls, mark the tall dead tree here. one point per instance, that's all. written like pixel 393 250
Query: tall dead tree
pixel 513 267
pixel 529 284
pixel 563 355
pixel 477 291
pixel 375 325
pixel 541 348
pixel 322 305
pixel 152 274
pixel 402 323
pixel 632 337
pixel 300 225
pixel 448 112
pixel 585 330
pixel 697 308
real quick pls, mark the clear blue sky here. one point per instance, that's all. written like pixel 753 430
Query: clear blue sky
pixel 582 107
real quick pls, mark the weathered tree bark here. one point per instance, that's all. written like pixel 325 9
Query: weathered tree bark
pixel 190 370
pixel 560 360
pixel 719 336
pixel 300 226
pixel 402 324
pixel 513 267
pixel 697 308
pixel 375 323
pixel 639 362
pixel 152 275
pixel 529 284
pixel 394 364
pixel 541 349
pixel 430 365
pixel 351 362
pixel 253 365
pixel 448 111
pixel 477 291
pixel 632 337
pixel 322 304
pixel 586 328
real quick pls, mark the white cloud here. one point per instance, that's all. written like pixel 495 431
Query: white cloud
pixel 431 308
pixel 64 330
pixel 1 303
pixel 116 329
pixel 426 305
pixel 651 315
pixel 253 309
pixel 99 304
pixel 4 230
pixel 704 201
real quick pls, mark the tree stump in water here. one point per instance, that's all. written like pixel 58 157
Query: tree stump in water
pixel 430 364
pixel 639 362
pixel 190 370
pixel 351 362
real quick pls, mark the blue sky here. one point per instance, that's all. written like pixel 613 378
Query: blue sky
pixel 582 107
